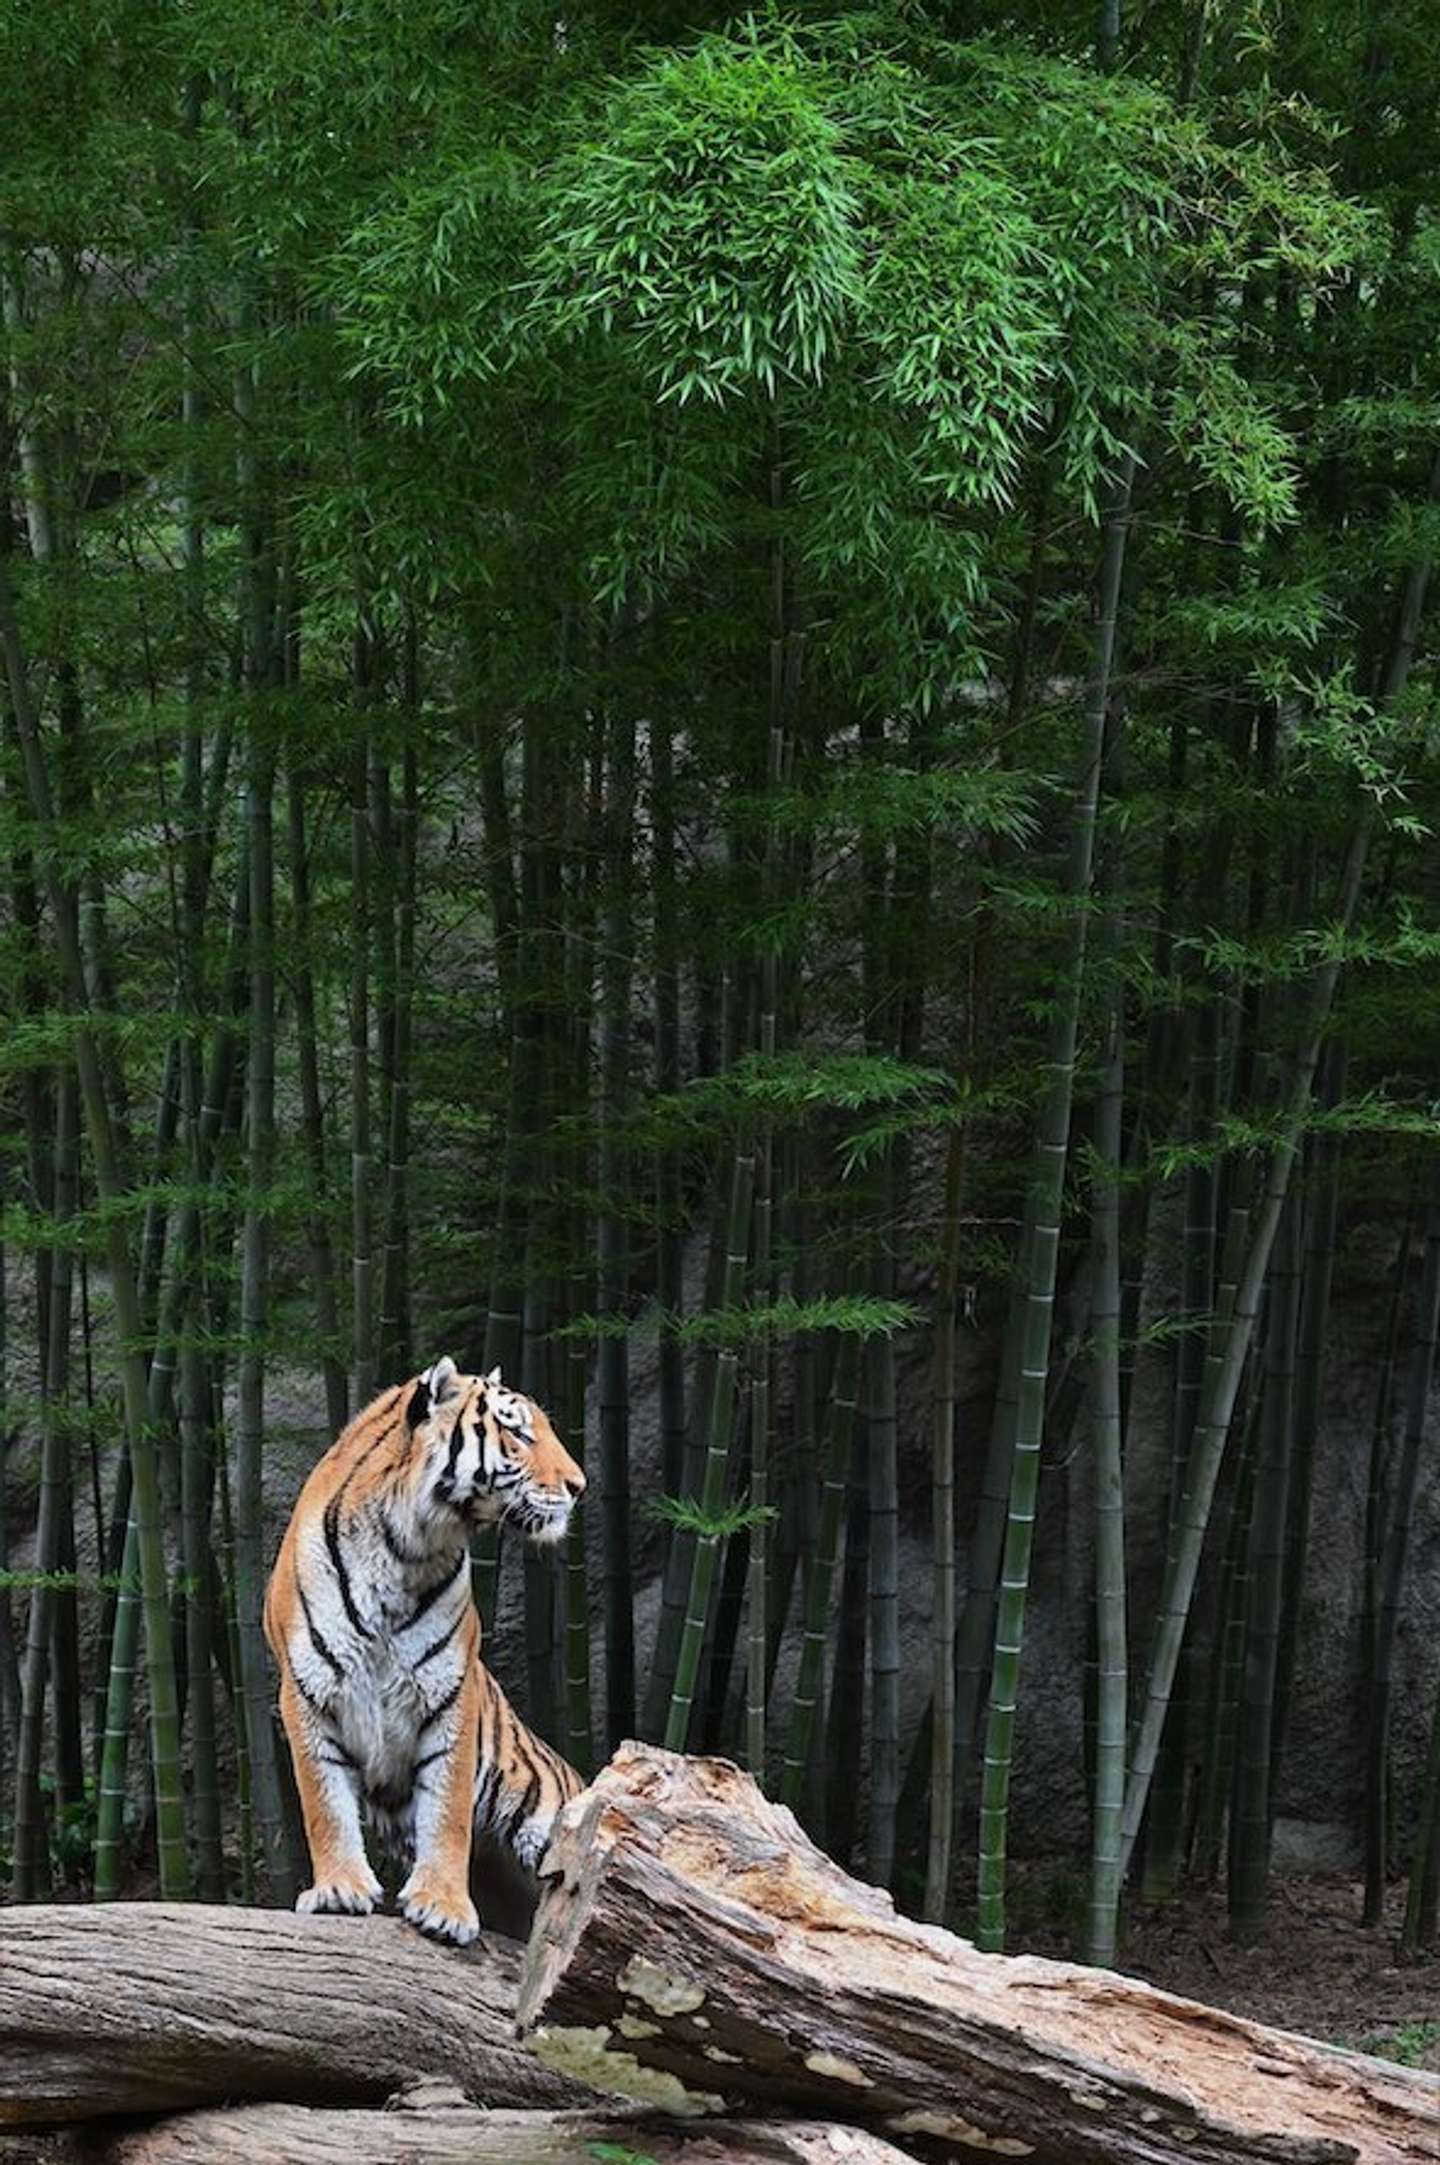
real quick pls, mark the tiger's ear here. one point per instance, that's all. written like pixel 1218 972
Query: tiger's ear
pixel 444 1380
pixel 492 1381
pixel 432 1389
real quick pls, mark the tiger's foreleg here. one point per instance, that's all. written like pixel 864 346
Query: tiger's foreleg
pixel 436 1896
pixel 330 1804
pixel 522 1783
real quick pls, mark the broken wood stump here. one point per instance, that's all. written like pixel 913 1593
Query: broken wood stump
pixel 695 1950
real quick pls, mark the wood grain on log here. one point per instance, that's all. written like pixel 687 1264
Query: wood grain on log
pixel 144 2006
pixel 440 2130
pixel 693 1946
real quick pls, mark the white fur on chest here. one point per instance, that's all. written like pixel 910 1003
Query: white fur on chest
pixel 378 1713
pixel 389 1653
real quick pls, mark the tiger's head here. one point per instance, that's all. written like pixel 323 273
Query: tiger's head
pixel 489 1454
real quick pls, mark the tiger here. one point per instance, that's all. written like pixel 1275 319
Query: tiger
pixel 385 1701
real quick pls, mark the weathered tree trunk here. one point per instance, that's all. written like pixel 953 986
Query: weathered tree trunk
pixel 689 1929
pixel 432 2124
pixel 155 2006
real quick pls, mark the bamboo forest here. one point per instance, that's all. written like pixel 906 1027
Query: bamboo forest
pixel 737 710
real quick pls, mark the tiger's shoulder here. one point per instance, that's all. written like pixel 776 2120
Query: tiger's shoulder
pixel 361 1462
pixel 364 1455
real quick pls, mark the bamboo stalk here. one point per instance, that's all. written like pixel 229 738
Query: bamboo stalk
pixel 1222 1702
pixel 64 1615
pixel 362 1260
pixel 164 1716
pixel 9 1659
pixel 844 1748
pixel 312 1115
pixel 1043 1223
pixel 1399 1517
pixel 942 1539
pixel 543 1582
pixel 541 1578
pixel 579 1740
pixel 680 1554
pixel 1225 1362
pixel 32 1857
pixel 120 1622
pixel 1377 1458
pixel 198 1479
pixel 572 1355
pixel 727 1606
pixel 396 1351
pixel 757 1594
pixel 1251 1813
pixel 254 1311
pixel 708 1540
pixel 882 1433
pixel 670 1252
pixel 810 1678
pixel 1165 1818
pixel 239 1704
pixel 383 898
pixel 1110 1631
pixel 111 1788
pixel 987 1536
pixel 1418 1929
pixel 1322 1224
pixel 613 1353
pixel 785 657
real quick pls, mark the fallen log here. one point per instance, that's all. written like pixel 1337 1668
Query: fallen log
pixel 692 1946
pixel 147 2006
pixel 440 2128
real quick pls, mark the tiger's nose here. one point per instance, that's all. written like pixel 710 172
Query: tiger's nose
pixel 575 1485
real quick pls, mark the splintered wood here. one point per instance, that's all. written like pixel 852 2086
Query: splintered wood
pixel 695 1951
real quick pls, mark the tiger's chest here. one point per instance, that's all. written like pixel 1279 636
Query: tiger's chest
pixel 403 1656
pixel 379 1714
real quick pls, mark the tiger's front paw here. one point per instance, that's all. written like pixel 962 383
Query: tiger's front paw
pixel 351 1890
pixel 440 1910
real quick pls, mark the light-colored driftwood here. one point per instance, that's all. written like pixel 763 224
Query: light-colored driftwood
pixel 439 2128
pixel 692 1945
pixel 144 2006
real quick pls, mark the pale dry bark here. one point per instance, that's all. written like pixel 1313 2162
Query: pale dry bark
pixel 156 2006
pixel 693 1946
pixel 434 2125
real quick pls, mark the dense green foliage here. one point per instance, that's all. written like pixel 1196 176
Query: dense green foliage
pixel 691 701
